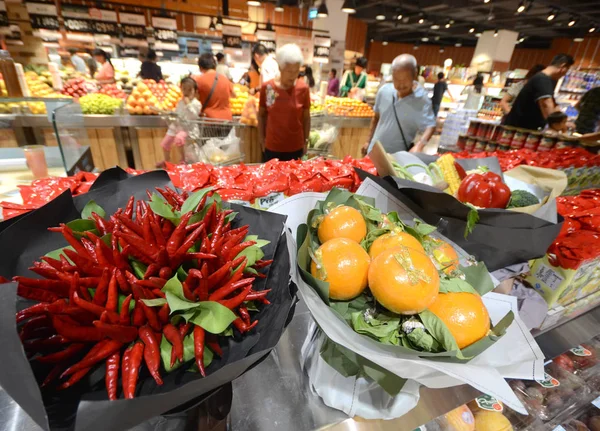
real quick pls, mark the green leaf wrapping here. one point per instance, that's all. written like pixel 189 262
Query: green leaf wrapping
pixel 213 317
pixel 377 327
pixel 92 207
pixel 440 332
pixel 139 269
pixel 193 200
pixel 156 302
pixel 455 285
pixel 472 219
pixel 82 225
pixel 423 340
pixel 478 276
pixel 161 208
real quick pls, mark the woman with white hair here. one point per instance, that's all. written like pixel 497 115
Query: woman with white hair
pixel 402 109
pixel 284 116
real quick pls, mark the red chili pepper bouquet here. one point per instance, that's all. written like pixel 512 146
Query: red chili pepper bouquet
pixel 156 285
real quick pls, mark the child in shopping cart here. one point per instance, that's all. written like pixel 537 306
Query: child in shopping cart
pixel 187 112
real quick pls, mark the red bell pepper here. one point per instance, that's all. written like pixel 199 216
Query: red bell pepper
pixel 484 191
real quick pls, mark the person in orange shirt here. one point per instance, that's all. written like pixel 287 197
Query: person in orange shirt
pixel 284 116
pixel 106 72
pixel 214 90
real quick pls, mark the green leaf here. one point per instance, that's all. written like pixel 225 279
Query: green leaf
pixel 193 200
pixel 423 229
pixel 213 317
pixel 229 218
pixel 177 304
pixel 82 225
pixel 157 302
pixel 472 219
pixel 478 276
pixel 92 207
pixel 227 332
pixel 423 341
pixel 440 332
pixel 161 208
pixel 55 254
pixel 259 242
pixel 456 285
pixel 252 253
pixel 250 271
pixel 121 299
pixel 379 326
pixel 347 308
pixel 251 305
pixel 181 274
pixel 174 286
pixel 343 364
pixel 139 269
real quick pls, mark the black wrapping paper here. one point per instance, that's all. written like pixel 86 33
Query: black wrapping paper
pixel 501 238
pixel 85 406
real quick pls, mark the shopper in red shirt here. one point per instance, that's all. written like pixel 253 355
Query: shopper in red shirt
pixel 215 101
pixel 284 116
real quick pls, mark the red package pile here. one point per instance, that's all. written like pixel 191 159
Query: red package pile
pixel 554 159
pixel 235 183
pixel 579 239
pixel 44 190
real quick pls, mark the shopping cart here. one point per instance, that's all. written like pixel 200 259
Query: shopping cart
pixel 211 141
pixel 324 131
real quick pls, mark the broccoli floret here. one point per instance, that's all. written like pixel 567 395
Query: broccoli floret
pixel 522 198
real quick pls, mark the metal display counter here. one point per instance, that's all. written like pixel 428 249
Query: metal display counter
pixel 275 395
pixel 113 137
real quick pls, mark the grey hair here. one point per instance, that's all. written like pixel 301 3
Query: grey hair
pixel 289 54
pixel 405 61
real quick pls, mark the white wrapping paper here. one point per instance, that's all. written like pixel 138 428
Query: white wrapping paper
pixel 516 355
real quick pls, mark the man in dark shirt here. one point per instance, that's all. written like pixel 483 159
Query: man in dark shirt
pixel 151 70
pixel 439 89
pixel 589 112
pixel 535 101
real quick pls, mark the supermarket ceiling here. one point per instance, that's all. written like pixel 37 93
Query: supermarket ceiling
pixel 449 22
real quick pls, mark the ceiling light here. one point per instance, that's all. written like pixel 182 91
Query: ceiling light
pixel 486 1
pixel 380 17
pixel 435 27
pixel 349 6
pixel 592 29
pixel 436 38
pixel 451 21
pixel 572 22
pixel 253 3
pixel 477 34
pixel 279 6
pixel 399 16
pixel 322 12
pixel 551 16
pixel 212 27
pixel 425 39
pixel 458 44
pixel 416 45
pixel 496 33
pixel 372 40
pixel 421 20
pixel 578 39
pixel 522 40
pixel 472 30
pixel 521 7
pixel 384 43
pixel 447 25
pixel 219 25
pixel 442 49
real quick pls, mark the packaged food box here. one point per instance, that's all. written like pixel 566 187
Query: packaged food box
pixel 491 414
pixel 562 286
pixel 581 361
pixel 559 392
pixel 586 418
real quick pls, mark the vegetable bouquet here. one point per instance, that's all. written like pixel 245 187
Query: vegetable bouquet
pixel 160 286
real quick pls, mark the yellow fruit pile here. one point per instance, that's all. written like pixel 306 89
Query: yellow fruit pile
pixel 38 86
pixel 400 274
pixel 347 107
pixel 150 94
pixel 238 102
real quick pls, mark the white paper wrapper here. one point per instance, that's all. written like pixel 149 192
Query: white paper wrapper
pixel 355 396
pixel 516 355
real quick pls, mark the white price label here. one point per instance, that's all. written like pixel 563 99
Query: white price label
pixel 549 277
pixel 596 402
pixel 270 200
pixel 559 428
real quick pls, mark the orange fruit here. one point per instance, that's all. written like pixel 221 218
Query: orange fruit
pixel 344 264
pixel 394 239
pixel 343 222
pixel 445 255
pixel 464 314
pixel 404 280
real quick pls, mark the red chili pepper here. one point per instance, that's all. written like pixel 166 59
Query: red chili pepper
pixel 158 234
pixel 172 202
pixel 165 273
pixel 178 235
pixel 104 259
pixel 184 329
pixel 216 277
pixel 149 312
pixel 32 324
pixel 139 317
pixel 82 263
pixel 100 351
pixel 36 294
pixel 129 208
pixel 239 248
pixel 75 332
pixel 151 353
pixel 125 371
pixel 121 333
pixel 139 213
pixel 242 327
pixel 54 263
pixel 262 264
pixel 190 240
pixel 244 314
pixel 137 243
pixel 163 314
pixel 484 190
pixel 76 377
pixel 89 306
pixel 112 299
pixel 102 225
pixel 43 270
pixel 158 293
pixel 135 360
pixel 257 295
pixel 45 343
pixel 147 231
pixel 90 247
pixel 60 287
pixel 205 246
pixel 199 256
pixel 67 232
pixel 52 375
pixel 68 353
pixel 124 313
pixel 112 375
pixel 102 289
pixel 213 343
pixel 187 292
pixel 151 271
pixel 231 287
pixel 199 348
pixel 42 308
pixel 119 259
pixel 122 281
pixel 236 300
pixel 167 228
pixel 172 335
